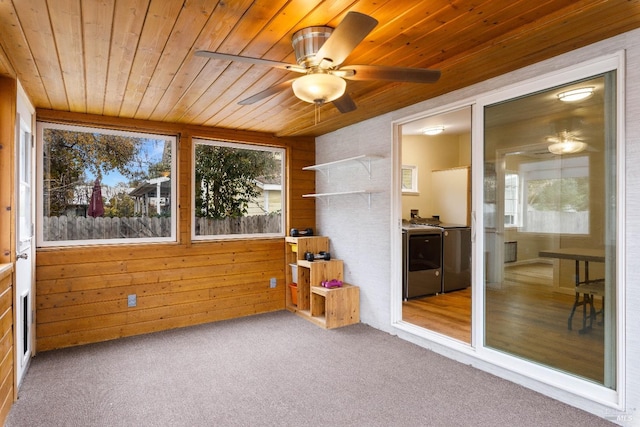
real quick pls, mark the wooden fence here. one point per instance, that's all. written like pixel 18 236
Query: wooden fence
pixel 245 225
pixel 80 228
pixel 557 222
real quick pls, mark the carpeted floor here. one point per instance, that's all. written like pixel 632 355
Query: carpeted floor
pixel 273 369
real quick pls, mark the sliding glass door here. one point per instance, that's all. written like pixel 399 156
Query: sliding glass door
pixel 549 209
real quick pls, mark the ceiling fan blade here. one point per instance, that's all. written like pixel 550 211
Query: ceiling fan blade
pixel 256 61
pixel 267 92
pixel 394 74
pixel 344 104
pixel 347 35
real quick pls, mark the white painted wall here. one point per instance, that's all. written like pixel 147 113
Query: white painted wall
pixel 428 153
pixel 359 232
pixel 361 236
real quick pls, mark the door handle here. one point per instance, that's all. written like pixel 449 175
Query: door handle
pixel 23 256
pixel 473 227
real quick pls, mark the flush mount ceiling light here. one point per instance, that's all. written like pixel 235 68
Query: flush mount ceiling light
pixel 433 130
pixel 318 88
pixel 576 94
pixel 565 144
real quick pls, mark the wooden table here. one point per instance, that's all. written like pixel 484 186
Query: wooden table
pixel 586 287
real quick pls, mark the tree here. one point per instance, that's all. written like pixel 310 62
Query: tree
pixel 566 194
pixel 120 206
pixel 69 155
pixel 226 179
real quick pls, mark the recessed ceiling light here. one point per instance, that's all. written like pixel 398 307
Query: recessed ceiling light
pixel 433 130
pixel 576 94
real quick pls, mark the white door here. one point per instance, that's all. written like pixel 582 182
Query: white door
pixel 24 246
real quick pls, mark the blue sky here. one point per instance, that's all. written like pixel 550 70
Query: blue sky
pixel 151 152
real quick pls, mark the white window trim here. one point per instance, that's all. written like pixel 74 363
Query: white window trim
pixel 100 242
pixel 244 146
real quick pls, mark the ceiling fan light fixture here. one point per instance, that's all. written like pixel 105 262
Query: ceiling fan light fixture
pixel 433 130
pixel 576 94
pixel 318 88
pixel 568 146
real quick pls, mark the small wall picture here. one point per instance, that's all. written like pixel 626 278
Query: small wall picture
pixel 409 179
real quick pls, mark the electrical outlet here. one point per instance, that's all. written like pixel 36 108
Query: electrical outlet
pixel 272 282
pixel 132 300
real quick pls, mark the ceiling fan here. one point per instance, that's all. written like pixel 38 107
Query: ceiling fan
pixel 320 52
pixel 566 143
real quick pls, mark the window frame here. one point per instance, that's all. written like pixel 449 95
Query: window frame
pixel 41 243
pixel 243 146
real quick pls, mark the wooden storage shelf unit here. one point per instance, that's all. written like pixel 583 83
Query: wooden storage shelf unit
pixel 313 273
pixel 336 307
pixel 294 252
pixel 329 308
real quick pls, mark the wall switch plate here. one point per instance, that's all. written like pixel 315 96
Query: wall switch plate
pixel 132 300
pixel 272 282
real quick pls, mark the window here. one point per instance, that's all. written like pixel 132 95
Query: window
pixel 556 165
pixel 511 199
pixel 557 196
pixel 238 190
pixel 25 231
pixel 410 179
pixel 102 186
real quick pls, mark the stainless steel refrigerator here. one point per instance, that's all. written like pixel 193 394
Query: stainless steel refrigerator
pixel 456 258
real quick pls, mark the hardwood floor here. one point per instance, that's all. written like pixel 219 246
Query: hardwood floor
pixel 524 317
pixel 448 314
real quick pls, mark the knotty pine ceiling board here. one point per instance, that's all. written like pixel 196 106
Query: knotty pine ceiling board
pixel 37 53
pixel 97 21
pixel 159 24
pixel 185 32
pixel 66 23
pixel 520 47
pixel 128 21
pixel 135 58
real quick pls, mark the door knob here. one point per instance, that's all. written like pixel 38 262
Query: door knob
pixel 23 256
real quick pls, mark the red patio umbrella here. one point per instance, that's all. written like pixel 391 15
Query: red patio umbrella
pixel 96 206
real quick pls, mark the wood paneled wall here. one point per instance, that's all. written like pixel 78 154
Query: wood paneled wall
pixel 7 374
pixel 8 105
pixel 81 292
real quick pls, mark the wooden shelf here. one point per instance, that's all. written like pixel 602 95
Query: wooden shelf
pixel 336 307
pixel 294 252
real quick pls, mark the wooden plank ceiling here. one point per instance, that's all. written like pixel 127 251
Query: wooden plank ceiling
pixel 135 58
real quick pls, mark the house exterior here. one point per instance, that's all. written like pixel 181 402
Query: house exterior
pixel 269 200
pixel 67 317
